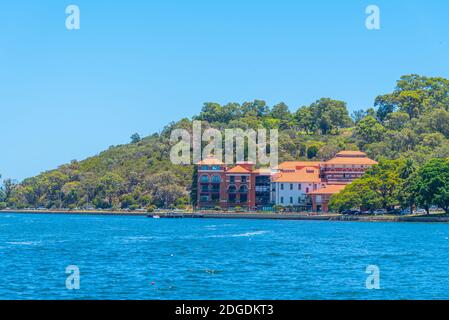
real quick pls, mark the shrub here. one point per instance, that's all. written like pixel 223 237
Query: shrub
pixel 151 208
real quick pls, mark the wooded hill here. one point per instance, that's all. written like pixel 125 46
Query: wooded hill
pixel 411 122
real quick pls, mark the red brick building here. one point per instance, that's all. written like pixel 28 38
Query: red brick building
pixel 239 186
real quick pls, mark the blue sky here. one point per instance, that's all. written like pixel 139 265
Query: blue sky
pixel 134 66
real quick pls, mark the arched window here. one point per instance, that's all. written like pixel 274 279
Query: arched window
pixel 216 179
pixel 243 189
pixel 204 179
pixel 232 189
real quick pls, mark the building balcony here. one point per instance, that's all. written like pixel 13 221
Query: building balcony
pixel 209 190
pixel 327 170
pixel 340 180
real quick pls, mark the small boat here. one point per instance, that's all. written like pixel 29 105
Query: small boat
pixel 156 216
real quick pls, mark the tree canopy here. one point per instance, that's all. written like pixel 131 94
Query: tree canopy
pixel 409 124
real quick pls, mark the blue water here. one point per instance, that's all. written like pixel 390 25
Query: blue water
pixel 142 258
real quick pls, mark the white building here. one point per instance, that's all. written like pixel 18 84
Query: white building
pixel 291 188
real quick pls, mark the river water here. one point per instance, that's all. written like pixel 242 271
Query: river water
pixel 121 257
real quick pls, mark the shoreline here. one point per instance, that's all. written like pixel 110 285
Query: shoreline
pixel 433 218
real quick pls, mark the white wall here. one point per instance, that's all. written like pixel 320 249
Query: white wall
pixel 295 193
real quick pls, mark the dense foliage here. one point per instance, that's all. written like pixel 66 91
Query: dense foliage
pixel 409 125
pixel 398 183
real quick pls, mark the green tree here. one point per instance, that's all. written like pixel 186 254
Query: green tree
pixel 396 120
pixel 378 188
pixel 71 193
pixel 256 108
pixel 407 173
pixel 432 184
pixel 281 113
pixel 358 115
pixel 360 194
pixel 331 115
pixel 386 105
pixel 326 116
pixel 135 138
pixel 384 179
pixel 411 102
pixel 368 131
pixel 305 120
pixel 312 151
pixel 110 187
pixel 165 189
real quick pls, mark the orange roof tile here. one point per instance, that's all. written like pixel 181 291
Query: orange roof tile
pixel 351 160
pixel 351 153
pixel 329 189
pixel 238 169
pixel 292 165
pixel 210 160
pixel 307 174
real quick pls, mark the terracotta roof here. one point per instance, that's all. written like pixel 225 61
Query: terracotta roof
pixel 210 160
pixel 351 160
pixel 329 189
pixel 238 169
pixel 351 153
pixel 307 174
pixel 292 165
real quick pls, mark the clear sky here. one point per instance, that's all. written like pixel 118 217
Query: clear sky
pixel 136 65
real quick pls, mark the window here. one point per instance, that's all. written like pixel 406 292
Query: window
pixel 204 167
pixel 216 179
pixel 282 186
pixel 291 199
pixel 243 179
pixel 299 186
pixel 291 186
pixel 282 199
pixel 216 168
pixel 232 179
pixel 307 190
pixel 204 198
pixel 299 200
pixel 243 189
pixel 232 189
pixel 215 197
pixel 204 179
